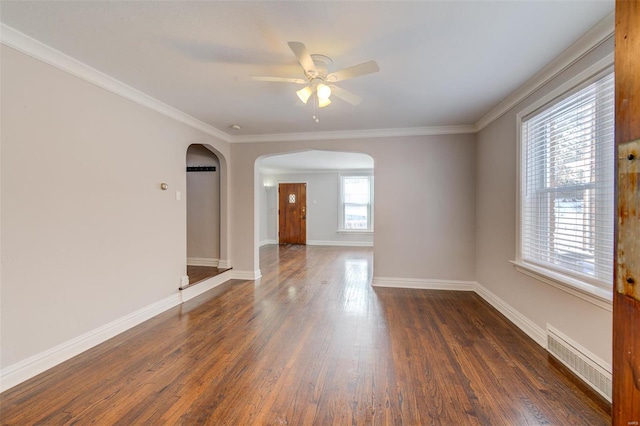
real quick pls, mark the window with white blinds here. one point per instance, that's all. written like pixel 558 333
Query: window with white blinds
pixel 356 203
pixel 567 186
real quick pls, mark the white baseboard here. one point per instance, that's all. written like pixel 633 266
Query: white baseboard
pixel 245 275
pixel 205 285
pixel 538 334
pixel 340 243
pixel 266 242
pixel 224 264
pixel 202 261
pixel 36 364
pixel 425 284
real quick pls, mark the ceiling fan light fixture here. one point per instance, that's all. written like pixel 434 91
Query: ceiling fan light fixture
pixel 304 94
pixel 323 91
pixel 323 102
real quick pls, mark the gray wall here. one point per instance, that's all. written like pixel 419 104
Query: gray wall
pixel 203 205
pixel 322 208
pixel 87 236
pixel 424 203
pixel 586 323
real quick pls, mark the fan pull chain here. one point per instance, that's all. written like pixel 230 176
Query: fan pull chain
pixel 315 108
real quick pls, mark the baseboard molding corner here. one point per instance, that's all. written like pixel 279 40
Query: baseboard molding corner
pixel 532 330
pixel 203 261
pixel 32 366
pixel 224 264
pixel 267 242
pixel 245 275
pixel 423 284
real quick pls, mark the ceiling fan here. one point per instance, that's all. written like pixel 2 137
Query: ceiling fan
pixel 319 80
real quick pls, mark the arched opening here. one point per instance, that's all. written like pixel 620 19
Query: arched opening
pixel 339 206
pixel 206 218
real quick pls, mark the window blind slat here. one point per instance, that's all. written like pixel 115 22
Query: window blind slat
pixel 567 183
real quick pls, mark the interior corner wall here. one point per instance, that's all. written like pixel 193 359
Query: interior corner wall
pixel 88 236
pixel 203 205
pixel 424 202
pixel 587 324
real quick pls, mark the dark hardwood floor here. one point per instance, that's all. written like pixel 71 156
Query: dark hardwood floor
pixel 312 343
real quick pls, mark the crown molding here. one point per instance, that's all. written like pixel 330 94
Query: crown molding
pixel 355 134
pixel 38 50
pixel 597 35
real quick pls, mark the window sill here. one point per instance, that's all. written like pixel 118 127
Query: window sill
pixel 355 231
pixel 589 292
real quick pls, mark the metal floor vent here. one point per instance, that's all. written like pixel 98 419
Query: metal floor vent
pixel 586 365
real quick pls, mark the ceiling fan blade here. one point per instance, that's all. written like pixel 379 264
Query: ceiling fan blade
pixel 279 79
pixel 354 71
pixel 304 58
pixel 346 95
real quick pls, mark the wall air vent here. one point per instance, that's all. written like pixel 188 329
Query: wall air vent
pixel 595 372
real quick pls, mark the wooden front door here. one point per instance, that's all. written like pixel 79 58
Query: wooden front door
pixel 292 212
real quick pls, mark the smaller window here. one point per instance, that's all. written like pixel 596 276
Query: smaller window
pixel 356 207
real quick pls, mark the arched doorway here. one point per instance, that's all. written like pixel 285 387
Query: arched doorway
pixel 206 254
pixel 327 175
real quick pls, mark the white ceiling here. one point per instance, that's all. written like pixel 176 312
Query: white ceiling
pixel 442 63
pixel 316 160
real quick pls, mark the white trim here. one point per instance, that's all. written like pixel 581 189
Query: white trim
pixel 224 264
pixel 580 78
pixel 184 281
pixel 522 322
pixel 340 243
pixel 597 35
pixel 202 261
pixel 591 293
pixel 246 275
pixel 354 134
pixel 36 49
pixel 205 285
pixel 36 364
pixel 423 284
pixel 267 242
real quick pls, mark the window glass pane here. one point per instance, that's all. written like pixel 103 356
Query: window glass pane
pixel 355 216
pixel 356 190
pixel 356 202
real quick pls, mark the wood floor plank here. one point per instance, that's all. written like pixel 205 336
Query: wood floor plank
pixel 312 342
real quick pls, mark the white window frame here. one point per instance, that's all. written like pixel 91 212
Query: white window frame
pixel 574 285
pixel 341 228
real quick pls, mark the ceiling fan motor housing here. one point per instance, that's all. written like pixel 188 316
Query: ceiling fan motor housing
pixel 322 63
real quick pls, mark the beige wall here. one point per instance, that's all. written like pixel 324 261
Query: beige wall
pixel 87 235
pixel 424 203
pixel 203 205
pixel 584 322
